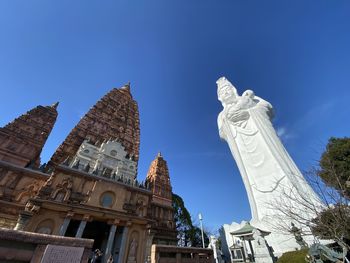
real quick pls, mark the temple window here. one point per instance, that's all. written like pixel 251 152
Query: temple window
pixel 107 199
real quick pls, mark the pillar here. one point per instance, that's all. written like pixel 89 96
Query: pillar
pixel 245 249
pixel 22 221
pixel 123 245
pixel 251 250
pixel 81 229
pixel 149 241
pixel 64 226
pixel 110 241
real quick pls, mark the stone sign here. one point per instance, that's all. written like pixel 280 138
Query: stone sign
pixel 62 254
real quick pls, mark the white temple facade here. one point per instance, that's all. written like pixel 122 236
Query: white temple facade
pixel 109 159
pixel 272 180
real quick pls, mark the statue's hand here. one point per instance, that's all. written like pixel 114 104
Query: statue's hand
pixel 237 115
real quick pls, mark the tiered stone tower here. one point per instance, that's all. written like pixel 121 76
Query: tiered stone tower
pixel 115 116
pixel 161 210
pixel 22 140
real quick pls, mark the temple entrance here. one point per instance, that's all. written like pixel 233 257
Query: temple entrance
pixel 97 231
pixel 72 228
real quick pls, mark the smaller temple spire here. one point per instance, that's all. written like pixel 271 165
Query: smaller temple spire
pixel 158 177
pixel 126 87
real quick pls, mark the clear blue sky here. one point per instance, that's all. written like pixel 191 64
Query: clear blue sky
pixel 295 54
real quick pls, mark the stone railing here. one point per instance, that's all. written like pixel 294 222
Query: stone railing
pixel 112 177
pixel 21 246
pixel 174 254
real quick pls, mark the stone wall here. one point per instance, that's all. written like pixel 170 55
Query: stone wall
pixel 35 248
pixel 17 186
pixel 174 254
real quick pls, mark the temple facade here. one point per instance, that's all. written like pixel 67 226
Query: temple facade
pixel 89 188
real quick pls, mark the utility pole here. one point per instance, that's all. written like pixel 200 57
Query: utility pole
pixel 200 220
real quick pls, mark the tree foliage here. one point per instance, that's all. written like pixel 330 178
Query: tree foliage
pixel 335 165
pixel 188 233
pixel 293 256
pixel 333 222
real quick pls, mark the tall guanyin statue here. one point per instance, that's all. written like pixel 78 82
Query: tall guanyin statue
pixel 269 174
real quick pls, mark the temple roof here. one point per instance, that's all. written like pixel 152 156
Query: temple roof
pixel 247 229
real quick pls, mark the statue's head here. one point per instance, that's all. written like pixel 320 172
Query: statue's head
pixel 227 93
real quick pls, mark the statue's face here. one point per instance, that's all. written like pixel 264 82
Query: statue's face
pixel 226 94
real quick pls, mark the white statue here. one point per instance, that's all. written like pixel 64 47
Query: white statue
pixel 263 162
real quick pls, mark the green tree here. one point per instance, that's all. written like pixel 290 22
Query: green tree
pixel 335 165
pixel 334 221
pixel 188 233
pixel 195 237
pixel 182 219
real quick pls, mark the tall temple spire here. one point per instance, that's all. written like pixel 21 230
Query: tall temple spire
pixel 114 117
pixel 55 105
pixel 22 140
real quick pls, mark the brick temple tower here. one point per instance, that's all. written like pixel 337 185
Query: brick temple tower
pixel 115 116
pixel 22 140
pixel 161 205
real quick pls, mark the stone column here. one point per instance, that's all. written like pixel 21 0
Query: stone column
pixel 110 241
pixel 64 226
pixel 149 240
pixel 245 249
pixel 251 249
pixel 81 229
pixel 22 221
pixel 123 245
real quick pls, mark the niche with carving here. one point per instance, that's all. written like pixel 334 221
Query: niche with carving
pixel 45 227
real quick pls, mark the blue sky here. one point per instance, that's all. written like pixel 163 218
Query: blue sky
pixel 295 54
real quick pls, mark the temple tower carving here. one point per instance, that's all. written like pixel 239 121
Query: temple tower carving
pixel 22 140
pixel 114 116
